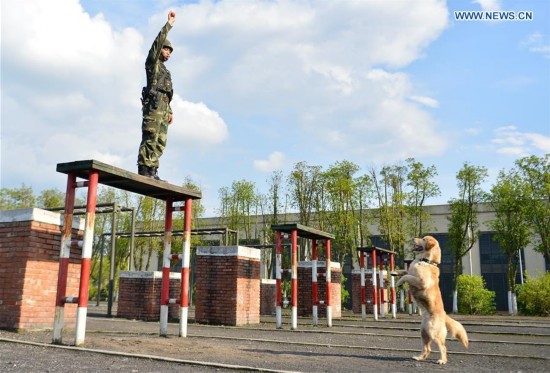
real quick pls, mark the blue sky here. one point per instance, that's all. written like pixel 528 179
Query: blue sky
pixel 261 85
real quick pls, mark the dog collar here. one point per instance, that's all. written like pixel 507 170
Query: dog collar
pixel 428 261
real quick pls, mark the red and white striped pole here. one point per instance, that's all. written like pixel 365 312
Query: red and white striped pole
pixel 166 257
pixel 409 295
pixel 294 274
pixel 85 268
pixel 393 294
pixel 374 286
pixel 329 284
pixel 363 289
pixel 184 309
pixel 314 284
pixel 65 252
pixel 382 288
pixel 278 265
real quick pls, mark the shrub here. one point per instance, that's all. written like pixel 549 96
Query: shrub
pixel 344 295
pixel 473 297
pixel 534 296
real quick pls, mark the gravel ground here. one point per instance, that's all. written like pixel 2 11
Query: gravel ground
pixel 498 343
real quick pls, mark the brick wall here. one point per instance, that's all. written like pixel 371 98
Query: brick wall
pixel 227 283
pixel 139 295
pixel 30 242
pixel 268 297
pixel 305 300
pixel 356 291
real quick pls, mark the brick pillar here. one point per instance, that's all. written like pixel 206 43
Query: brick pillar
pixel 139 295
pixel 30 242
pixel 227 281
pixel 305 301
pixel 268 297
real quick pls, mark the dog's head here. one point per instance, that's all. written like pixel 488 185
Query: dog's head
pixel 427 247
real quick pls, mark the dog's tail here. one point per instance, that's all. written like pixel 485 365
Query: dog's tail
pixel 456 330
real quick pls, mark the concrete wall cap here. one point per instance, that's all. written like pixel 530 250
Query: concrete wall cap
pixel 39 215
pixel 148 274
pixel 242 251
pixel 358 271
pixel 320 263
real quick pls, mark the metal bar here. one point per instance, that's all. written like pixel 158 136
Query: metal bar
pixel 314 284
pixel 382 288
pixel 184 308
pixel 392 285
pixel 131 266
pixel 165 287
pixel 278 265
pixel 374 287
pixel 82 309
pixel 100 277
pixel 329 285
pixel 363 288
pixel 64 255
pixel 112 267
pixel 294 279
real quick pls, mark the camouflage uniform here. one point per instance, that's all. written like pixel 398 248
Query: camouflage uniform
pixel 156 108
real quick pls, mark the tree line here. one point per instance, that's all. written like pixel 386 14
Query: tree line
pixel 343 200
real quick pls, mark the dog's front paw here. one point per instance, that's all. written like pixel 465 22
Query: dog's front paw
pixel 400 282
pixel 442 362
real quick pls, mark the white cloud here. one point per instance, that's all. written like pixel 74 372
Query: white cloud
pixel 195 124
pixel 325 74
pixel 509 140
pixel 536 43
pixel 275 161
pixel 489 5
pixel 427 101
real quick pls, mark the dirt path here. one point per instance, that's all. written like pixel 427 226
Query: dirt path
pixel 499 343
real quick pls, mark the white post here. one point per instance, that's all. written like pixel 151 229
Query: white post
pixel 382 285
pixel 363 305
pixel 314 287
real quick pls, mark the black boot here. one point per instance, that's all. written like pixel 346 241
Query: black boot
pixel 143 170
pixel 154 173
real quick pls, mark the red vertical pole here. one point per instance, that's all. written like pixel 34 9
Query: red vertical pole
pixel 278 264
pixel 186 259
pixel 294 298
pixel 409 295
pixel 167 254
pixel 87 246
pixel 65 252
pixel 329 285
pixel 382 288
pixel 393 294
pixel 314 284
pixel 374 286
pixel 363 288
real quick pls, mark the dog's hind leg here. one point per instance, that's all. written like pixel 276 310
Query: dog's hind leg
pixel 443 349
pixel 426 347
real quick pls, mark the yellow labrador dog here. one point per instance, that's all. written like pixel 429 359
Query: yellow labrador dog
pixel 423 280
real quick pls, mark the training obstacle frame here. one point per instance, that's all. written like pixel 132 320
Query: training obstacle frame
pixel 379 257
pixel 94 173
pixel 294 231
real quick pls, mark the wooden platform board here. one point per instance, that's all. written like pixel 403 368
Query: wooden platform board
pixel 303 231
pixel 122 179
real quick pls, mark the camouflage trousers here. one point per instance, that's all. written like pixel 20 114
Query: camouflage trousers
pixel 154 131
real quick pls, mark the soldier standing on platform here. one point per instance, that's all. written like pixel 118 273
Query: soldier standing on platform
pixel 155 98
